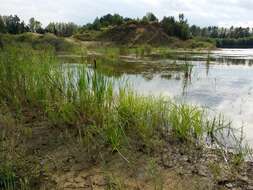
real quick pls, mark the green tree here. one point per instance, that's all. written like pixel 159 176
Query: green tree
pixel 183 30
pixel 2 25
pixel 195 30
pixel 12 24
pixel 96 24
pixel 34 25
pixel 176 28
pixel 169 24
pixel 150 17
pixel 62 29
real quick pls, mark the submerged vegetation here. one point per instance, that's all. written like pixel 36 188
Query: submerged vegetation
pixel 46 106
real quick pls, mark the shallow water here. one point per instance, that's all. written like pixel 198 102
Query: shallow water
pixel 221 80
pixel 224 85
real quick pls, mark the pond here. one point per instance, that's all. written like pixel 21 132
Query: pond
pixel 224 85
pixel 221 81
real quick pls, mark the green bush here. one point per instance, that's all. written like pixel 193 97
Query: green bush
pixel 38 41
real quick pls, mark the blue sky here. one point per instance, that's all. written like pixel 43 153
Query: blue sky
pixel 200 12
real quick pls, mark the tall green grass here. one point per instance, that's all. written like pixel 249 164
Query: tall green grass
pixel 76 96
pixel 35 83
pixel 8 178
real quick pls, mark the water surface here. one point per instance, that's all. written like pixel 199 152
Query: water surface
pixel 221 80
pixel 224 84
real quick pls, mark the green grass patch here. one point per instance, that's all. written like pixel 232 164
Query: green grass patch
pixel 38 42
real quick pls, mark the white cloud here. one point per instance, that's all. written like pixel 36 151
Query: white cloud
pixel 200 12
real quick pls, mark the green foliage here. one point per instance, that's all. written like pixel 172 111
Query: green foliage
pixel 87 35
pixel 59 44
pixel 8 178
pixel 46 41
pixel 172 27
pixel 87 102
pixel 168 24
pixel 105 21
pixel 233 37
pixel 12 24
pixel 199 43
pixel 62 29
pixel 187 122
pixel 176 28
pixel 35 26
pixel 223 33
pixel 235 43
pixel 150 17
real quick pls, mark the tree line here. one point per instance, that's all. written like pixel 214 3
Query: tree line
pixel 235 43
pixel 14 25
pixel 178 27
pixel 221 32
pixel 173 27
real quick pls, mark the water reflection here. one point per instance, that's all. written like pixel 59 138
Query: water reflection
pixel 223 84
pixel 220 80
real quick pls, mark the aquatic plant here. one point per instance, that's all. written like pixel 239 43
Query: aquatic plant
pixel 7 178
pixel 36 87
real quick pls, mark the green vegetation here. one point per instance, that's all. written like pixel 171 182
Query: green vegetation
pixel 37 41
pixel 89 35
pixel 58 118
pixel 62 29
pixel 221 32
pixel 105 21
pixel 139 31
pixel 13 25
pixel 235 43
pixel 37 91
pixel 169 24
pixel 154 31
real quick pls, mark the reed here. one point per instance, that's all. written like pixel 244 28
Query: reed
pixel 35 85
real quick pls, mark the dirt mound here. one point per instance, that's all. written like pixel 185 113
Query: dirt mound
pixel 133 34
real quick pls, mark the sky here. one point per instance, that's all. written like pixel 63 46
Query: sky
pixel 199 12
